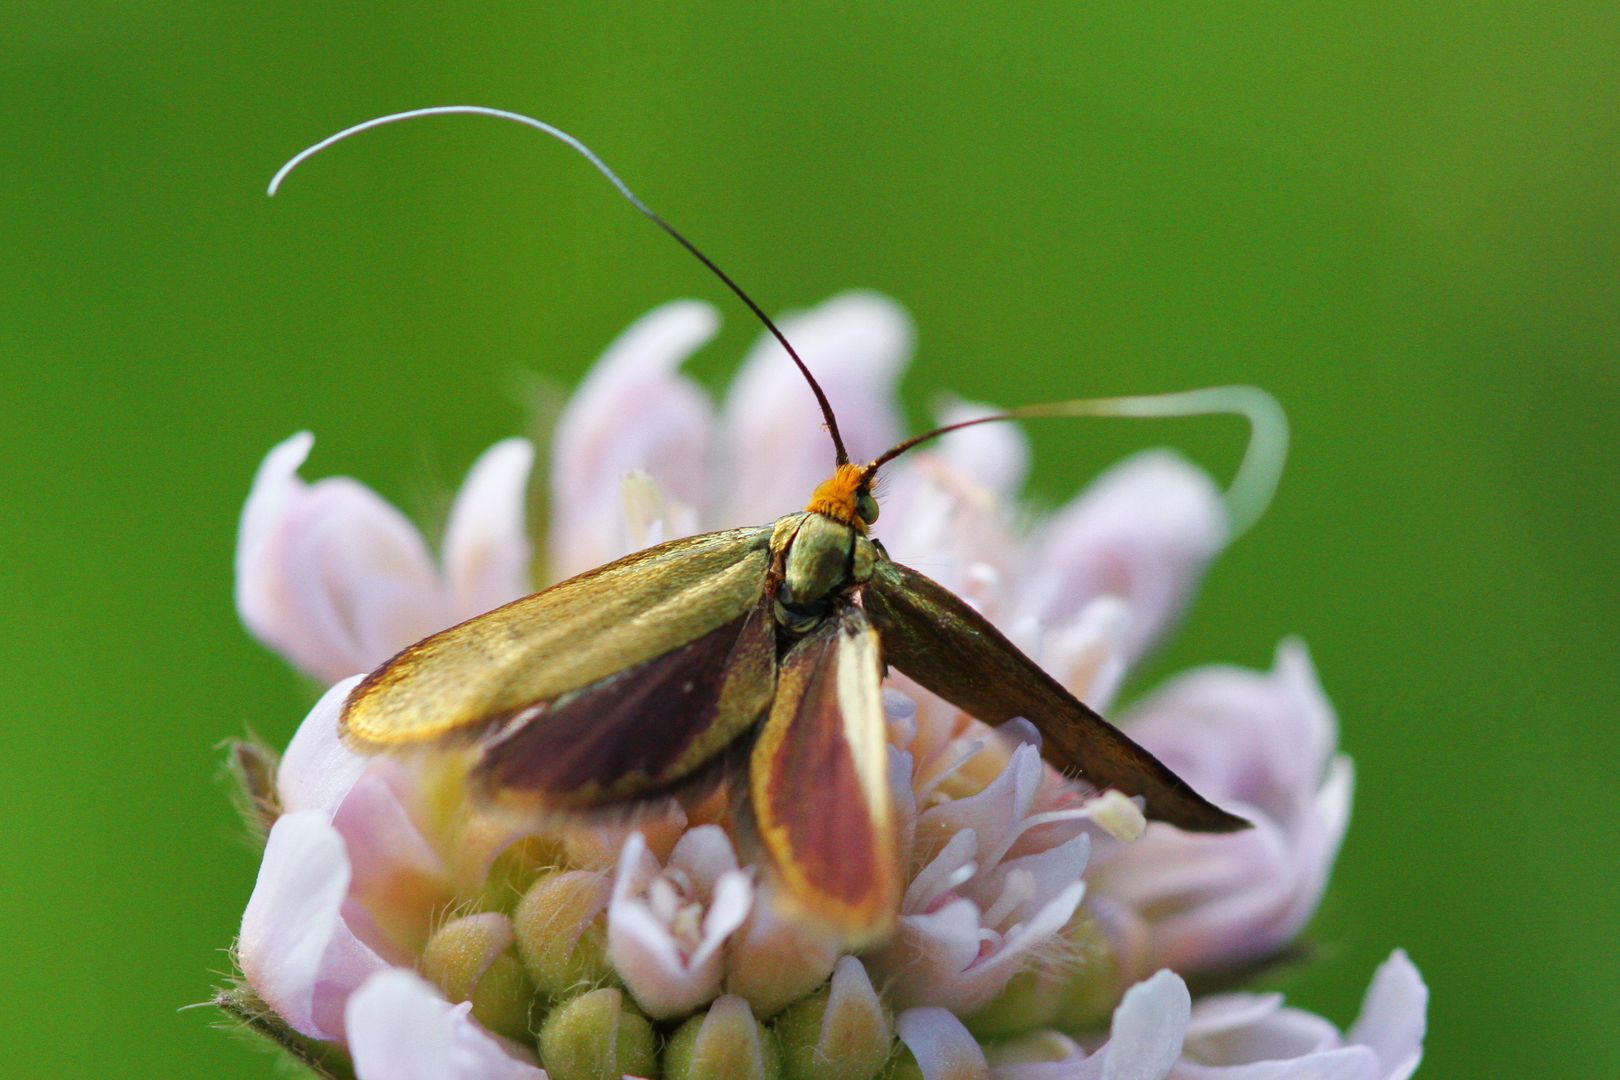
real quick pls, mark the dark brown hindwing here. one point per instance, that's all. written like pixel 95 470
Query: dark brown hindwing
pixel 640 730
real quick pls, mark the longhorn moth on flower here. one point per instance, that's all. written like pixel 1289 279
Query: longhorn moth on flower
pixel 758 655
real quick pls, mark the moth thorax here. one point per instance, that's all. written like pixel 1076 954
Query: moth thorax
pixel 818 560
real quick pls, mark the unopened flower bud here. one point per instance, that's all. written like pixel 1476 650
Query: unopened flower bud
pixel 561 929
pixel 1094 985
pixel 723 1043
pixel 841 1032
pixel 597 1036
pixel 1029 1000
pixel 502 885
pixel 468 960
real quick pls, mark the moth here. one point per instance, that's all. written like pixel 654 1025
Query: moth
pixel 761 650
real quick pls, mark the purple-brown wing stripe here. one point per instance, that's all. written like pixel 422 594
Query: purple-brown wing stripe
pixel 639 730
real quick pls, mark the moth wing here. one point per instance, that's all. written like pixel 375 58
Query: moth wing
pixel 576 633
pixel 818 781
pixel 931 635
pixel 640 730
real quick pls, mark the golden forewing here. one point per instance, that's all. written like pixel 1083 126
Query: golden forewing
pixel 558 640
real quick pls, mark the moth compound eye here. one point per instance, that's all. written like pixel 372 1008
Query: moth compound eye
pixel 866 507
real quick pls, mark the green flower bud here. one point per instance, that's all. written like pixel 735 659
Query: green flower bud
pixel 467 958
pixel 1029 1000
pixel 1093 989
pixel 841 1032
pixel 1033 1048
pixel 514 871
pixel 561 929
pixel 724 1043
pixel 504 999
pixel 597 1036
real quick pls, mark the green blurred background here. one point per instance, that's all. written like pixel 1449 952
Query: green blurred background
pixel 1403 219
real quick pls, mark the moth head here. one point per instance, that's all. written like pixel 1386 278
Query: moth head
pixel 846 496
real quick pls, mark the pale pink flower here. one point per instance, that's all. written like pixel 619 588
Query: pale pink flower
pixel 667 925
pixel 370 856
pixel 354 871
pixel 337 580
pixel 1263 745
pixel 401 1028
pixel 633 413
pixel 1157 1033
pixel 979 906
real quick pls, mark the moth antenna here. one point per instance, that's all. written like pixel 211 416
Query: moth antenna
pixel 1255 481
pixel 613 178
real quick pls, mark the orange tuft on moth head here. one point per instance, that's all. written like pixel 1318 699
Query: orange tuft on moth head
pixel 846 497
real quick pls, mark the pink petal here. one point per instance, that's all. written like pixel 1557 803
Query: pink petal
pixel 993 455
pixel 1144 1041
pixel 1143 531
pixel 487 553
pixel 704 854
pixel 1394 1017
pixel 856 344
pixel 634 412
pixel 398 877
pixel 665 980
pixel 294 947
pixel 317 770
pixel 329 575
pixel 1348 1063
pixel 942 1046
pixel 401 1029
pixel 1267 1032
pixel 1261 743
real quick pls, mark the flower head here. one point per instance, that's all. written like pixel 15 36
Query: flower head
pixel 401 921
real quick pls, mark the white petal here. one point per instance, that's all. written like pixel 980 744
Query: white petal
pixel 294 947
pixel 1262 744
pixel 856 344
pixel 632 412
pixel 1394 1017
pixel 317 770
pixel 1143 531
pixel 487 553
pixel 994 455
pixel 664 982
pixel 1347 1063
pixel 401 1029
pixel 1145 1039
pixel 704 854
pixel 942 1046
pixel 728 910
pixel 1215 1016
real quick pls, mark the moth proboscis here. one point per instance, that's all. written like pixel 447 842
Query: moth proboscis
pixel 619 686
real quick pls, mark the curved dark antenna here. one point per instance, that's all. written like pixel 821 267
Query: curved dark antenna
pixel 630 197
pixel 1257 475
